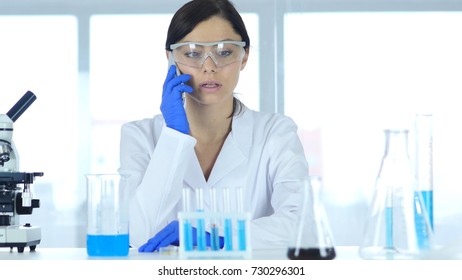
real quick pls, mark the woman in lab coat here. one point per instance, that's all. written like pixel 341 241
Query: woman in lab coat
pixel 206 138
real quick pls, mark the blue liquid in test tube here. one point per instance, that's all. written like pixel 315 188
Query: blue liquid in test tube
pixel 228 226
pixel 241 230
pixel 427 197
pixel 228 235
pixel 423 219
pixel 214 232
pixel 188 242
pixel 241 235
pixel 187 226
pixel 424 175
pixel 215 238
pixel 201 238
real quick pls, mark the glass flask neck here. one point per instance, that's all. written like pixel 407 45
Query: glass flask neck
pixel 396 142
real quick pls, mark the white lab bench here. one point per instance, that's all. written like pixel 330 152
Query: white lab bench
pixel 343 253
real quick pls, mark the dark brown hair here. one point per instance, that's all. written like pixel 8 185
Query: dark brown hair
pixel 197 11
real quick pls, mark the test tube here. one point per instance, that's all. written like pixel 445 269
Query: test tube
pixel 424 159
pixel 187 226
pixel 201 238
pixel 424 175
pixel 228 226
pixel 214 231
pixel 241 235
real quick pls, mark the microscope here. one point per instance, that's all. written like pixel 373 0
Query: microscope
pixel 14 199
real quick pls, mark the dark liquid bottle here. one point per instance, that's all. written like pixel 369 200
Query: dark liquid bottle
pixel 312 254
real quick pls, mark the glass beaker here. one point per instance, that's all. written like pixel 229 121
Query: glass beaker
pixel 390 231
pixel 312 240
pixel 107 215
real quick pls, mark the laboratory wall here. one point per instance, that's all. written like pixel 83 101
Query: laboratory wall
pixel 343 70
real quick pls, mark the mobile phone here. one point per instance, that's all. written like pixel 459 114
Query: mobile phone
pixel 171 61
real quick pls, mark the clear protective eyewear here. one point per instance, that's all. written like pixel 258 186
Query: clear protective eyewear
pixel 194 54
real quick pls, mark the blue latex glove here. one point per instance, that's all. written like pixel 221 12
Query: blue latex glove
pixel 169 235
pixel 172 102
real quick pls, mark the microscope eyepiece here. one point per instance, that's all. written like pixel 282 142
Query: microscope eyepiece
pixel 26 100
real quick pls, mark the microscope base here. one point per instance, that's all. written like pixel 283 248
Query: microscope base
pixel 20 237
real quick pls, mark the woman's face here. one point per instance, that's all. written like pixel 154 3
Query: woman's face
pixel 212 84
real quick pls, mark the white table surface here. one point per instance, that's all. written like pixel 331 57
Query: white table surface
pixel 343 253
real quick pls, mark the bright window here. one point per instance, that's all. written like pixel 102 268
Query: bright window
pixel 128 65
pixel 350 75
pixel 39 53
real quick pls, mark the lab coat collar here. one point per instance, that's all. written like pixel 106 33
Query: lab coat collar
pixel 242 131
pixel 234 152
pixel 236 148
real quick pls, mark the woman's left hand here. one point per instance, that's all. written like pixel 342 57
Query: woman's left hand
pixel 169 235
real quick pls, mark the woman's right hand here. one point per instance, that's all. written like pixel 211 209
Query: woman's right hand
pixel 172 107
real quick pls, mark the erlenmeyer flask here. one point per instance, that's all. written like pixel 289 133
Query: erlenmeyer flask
pixel 397 209
pixel 312 240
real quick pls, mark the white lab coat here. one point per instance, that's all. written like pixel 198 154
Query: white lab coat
pixel 262 153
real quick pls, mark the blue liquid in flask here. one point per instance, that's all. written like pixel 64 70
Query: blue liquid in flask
pixel 107 245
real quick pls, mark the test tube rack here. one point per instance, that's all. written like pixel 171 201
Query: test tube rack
pixel 235 227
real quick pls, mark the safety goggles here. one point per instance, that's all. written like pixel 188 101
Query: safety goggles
pixel 194 54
